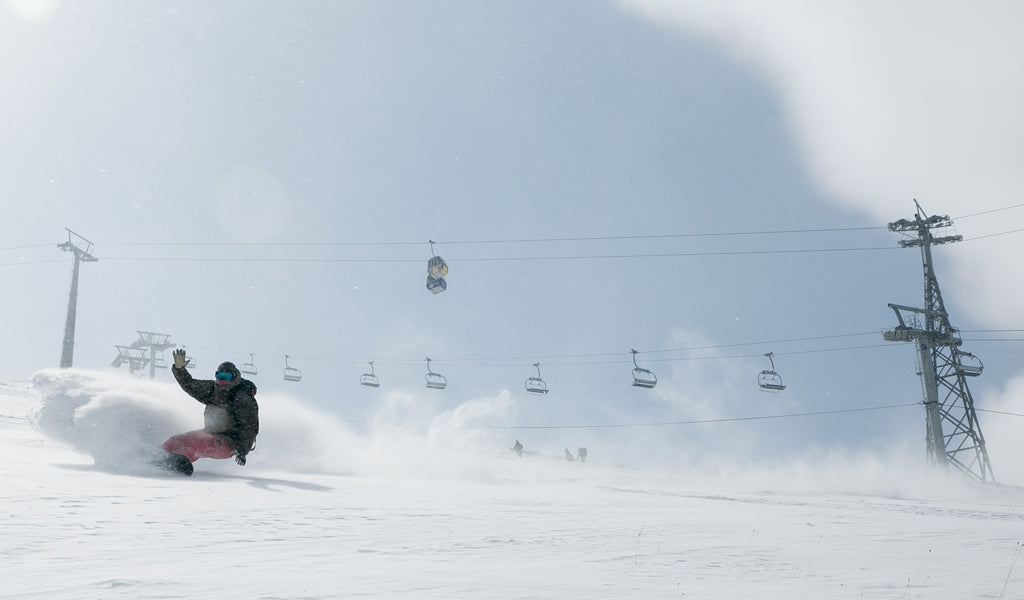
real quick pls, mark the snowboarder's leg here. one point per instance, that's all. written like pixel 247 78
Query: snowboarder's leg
pixel 199 444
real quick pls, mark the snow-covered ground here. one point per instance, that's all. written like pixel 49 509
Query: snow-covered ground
pixel 322 512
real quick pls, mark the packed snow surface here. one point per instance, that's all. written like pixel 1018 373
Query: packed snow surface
pixel 322 512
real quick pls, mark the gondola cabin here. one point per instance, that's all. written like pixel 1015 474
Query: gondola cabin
pixel 436 267
pixel 436 286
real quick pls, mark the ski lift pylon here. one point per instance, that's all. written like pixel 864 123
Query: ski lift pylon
pixel 435 381
pixel 290 372
pixel 536 385
pixel 369 380
pixel 642 378
pixel 769 380
pixel 249 368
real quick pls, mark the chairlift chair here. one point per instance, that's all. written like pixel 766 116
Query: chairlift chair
pixel 769 380
pixel 369 380
pixel 435 381
pixel 536 385
pixel 190 361
pixel 290 372
pixel 642 378
pixel 968 364
pixel 249 368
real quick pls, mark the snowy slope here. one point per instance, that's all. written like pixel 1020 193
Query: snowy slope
pixel 323 513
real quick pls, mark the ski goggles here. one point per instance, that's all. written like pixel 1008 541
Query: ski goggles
pixel 223 376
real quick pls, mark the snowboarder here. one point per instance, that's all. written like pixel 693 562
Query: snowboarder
pixel 231 419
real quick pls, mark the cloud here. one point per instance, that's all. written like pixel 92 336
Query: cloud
pixel 890 102
pixel 887 101
pixel 1002 431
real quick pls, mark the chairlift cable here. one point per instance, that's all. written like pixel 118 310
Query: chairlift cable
pixel 28 247
pixel 581 358
pixel 999 412
pixel 986 212
pixel 642 352
pixel 700 421
pixel 992 235
pixel 32 262
pixel 260 259
pixel 597 238
pixel 523 240
pixel 468 259
pixel 555 360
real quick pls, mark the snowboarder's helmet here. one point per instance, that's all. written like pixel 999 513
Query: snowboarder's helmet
pixel 228 367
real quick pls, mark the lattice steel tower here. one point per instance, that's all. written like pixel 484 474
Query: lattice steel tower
pixel 67 352
pixel 953 434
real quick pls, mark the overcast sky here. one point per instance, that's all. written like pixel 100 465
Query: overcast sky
pixel 702 181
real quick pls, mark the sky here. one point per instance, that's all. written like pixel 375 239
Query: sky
pixel 704 182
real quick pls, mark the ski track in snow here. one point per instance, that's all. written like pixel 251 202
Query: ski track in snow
pixel 81 520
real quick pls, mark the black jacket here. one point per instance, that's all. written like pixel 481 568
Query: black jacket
pixel 231 410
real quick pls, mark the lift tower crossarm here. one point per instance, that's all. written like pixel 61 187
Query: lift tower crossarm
pixel 922 225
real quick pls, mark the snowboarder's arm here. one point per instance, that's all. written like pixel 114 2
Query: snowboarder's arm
pixel 247 418
pixel 201 390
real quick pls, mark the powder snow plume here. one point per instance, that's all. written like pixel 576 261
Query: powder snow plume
pixel 121 421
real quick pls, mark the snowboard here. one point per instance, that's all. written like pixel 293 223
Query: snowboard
pixel 177 463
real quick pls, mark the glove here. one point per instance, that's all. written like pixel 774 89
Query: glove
pixel 179 358
pixel 240 459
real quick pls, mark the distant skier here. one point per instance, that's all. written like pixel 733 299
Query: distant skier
pixel 518 448
pixel 581 454
pixel 231 419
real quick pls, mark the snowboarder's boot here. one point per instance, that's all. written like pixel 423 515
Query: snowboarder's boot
pixel 178 463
